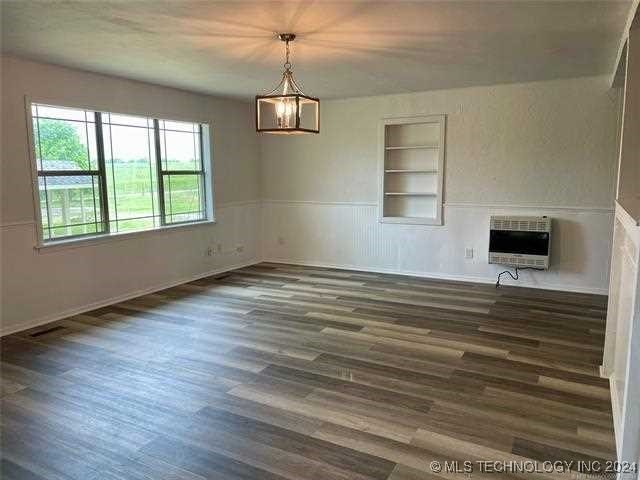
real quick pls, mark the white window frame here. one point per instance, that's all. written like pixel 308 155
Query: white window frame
pixel 89 239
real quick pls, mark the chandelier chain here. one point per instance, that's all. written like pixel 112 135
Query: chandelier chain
pixel 287 63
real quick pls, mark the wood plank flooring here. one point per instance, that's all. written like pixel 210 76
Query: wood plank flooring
pixel 283 372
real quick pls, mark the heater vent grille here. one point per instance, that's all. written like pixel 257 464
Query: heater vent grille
pixel 521 224
pixel 507 259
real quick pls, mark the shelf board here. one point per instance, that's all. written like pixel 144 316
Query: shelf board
pixel 413 147
pixel 411 220
pixel 409 171
pixel 411 194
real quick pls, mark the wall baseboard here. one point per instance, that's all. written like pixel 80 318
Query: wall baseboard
pixel 121 298
pixel 156 288
pixel 438 276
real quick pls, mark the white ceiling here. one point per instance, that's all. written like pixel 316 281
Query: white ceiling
pixel 344 48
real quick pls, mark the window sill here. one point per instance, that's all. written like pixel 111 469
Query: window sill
pixel 58 245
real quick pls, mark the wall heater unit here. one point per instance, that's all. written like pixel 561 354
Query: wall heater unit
pixel 520 241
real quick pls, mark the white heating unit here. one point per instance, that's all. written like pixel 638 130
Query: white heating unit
pixel 520 241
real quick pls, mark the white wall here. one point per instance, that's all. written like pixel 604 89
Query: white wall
pixel 547 148
pixel 42 285
pixel 537 148
pixel 622 341
pixel 350 236
pixel 621 361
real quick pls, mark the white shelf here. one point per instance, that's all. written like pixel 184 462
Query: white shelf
pixel 411 167
pixel 413 147
pixel 411 194
pixel 409 171
pixel 411 220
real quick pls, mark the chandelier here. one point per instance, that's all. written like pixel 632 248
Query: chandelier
pixel 286 109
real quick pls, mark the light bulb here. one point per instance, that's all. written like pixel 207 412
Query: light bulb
pixel 280 109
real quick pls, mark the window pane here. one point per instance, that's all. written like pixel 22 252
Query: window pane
pixel 61 113
pixel 183 198
pixel 44 214
pixel 129 120
pixel 132 185
pixel 70 205
pixel 181 126
pixel 36 143
pixel 180 149
pixel 65 142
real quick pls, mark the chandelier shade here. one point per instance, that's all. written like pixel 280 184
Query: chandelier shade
pixel 286 109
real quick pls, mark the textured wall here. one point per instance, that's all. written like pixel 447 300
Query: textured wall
pixel 541 148
pixel 235 145
pixel 42 284
pixel 551 143
pixel 546 148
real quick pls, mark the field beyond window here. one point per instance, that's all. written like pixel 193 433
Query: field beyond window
pixel 101 172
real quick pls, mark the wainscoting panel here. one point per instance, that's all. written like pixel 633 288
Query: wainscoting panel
pixel 348 235
pixel 50 284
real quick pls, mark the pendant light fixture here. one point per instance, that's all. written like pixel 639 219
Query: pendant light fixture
pixel 286 109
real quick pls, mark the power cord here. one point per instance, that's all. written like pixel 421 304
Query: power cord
pixel 516 277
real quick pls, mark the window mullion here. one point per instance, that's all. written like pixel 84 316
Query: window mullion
pixel 46 191
pixel 203 182
pixel 156 130
pixel 102 175
pixel 183 172
pixel 68 173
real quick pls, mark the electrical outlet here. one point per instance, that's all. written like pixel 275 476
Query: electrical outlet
pixel 468 252
pixel 209 252
pixel 281 241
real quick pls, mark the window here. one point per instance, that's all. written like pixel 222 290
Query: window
pixel 69 179
pixel 101 172
pixel 181 172
pixel 131 171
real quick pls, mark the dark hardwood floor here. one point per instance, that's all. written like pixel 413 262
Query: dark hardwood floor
pixel 281 372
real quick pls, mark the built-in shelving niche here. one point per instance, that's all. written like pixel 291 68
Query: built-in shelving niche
pixel 411 169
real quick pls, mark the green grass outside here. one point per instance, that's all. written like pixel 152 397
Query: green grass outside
pixel 136 195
